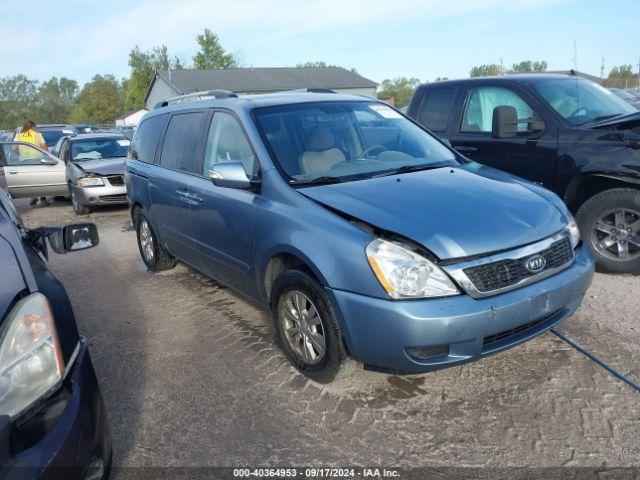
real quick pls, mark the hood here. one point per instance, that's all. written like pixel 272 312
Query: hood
pixel 103 166
pixel 12 280
pixel 623 122
pixel 454 212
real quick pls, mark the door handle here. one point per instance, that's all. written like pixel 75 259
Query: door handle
pixel 465 149
pixel 12 172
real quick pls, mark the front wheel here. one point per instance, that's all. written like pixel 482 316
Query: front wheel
pixel 610 224
pixel 78 208
pixel 307 326
pixel 155 256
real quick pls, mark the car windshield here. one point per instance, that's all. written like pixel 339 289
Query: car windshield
pixel 580 101
pixel 343 141
pixel 94 149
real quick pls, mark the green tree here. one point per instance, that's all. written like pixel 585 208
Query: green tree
pixel 486 70
pixel 56 99
pixel 400 89
pixel 18 100
pixel 527 66
pixel 622 77
pixel 143 66
pixel 322 64
pixel 99 102
pixel 211 54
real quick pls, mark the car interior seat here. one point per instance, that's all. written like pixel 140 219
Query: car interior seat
pixel 323 155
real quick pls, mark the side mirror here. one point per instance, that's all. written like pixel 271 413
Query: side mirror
pixel 48 161
pixel 230 175
pixel 74 237
pixel 505 122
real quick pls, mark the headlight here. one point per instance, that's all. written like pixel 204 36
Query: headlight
pixel 90 182
pixel 574 233
pixel 404 273
pixel 31 362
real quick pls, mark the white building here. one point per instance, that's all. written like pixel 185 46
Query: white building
pixel 131 118
pixel 167 84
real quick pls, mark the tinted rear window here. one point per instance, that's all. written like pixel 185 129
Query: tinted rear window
pixel 436 108
pixel 146 139
pixel 182 141
pixel 51 137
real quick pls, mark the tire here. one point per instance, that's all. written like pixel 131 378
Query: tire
pixel 326 367
pixel 155 256
pixel 78 208
pixel 598 218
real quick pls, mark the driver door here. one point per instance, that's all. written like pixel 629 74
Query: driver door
pixel 30 172
pixel 532 157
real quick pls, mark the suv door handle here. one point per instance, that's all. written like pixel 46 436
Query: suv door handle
pixel 13 172
pixel 465 149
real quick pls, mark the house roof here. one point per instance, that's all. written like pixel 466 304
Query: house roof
pixel 257 80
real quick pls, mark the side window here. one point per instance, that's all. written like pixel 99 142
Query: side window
pixel 146 139
pixel 436 108
pixel 226 142
pixel 20 155
pixel 478 114
pixel 181 142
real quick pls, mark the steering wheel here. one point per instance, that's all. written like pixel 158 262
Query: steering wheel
pixel 371 150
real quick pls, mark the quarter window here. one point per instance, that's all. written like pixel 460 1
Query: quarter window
pixel 478 114
pixel 181 142
pixel 226 142
pixel 436 108
pixel 146 139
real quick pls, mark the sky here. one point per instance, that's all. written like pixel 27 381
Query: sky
pixel 414 38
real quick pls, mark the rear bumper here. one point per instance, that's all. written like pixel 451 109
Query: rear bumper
pixel 77 439
pixel 104 195
pixel 378 332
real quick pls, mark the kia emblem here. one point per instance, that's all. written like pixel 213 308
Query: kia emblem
pixel 535 263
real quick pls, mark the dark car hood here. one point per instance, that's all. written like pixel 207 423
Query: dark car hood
pixel 631 120
pixel 103 166
pixel 453 212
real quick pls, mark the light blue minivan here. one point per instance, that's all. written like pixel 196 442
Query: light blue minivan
pixel 365 235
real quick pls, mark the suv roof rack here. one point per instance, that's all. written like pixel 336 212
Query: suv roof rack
pixel 315 90
pixel 205 94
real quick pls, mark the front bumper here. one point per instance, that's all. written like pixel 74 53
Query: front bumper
pixel 378 332
pixel 76 444
pixel 104 195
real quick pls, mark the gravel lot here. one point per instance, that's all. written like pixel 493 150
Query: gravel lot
pixel 191 375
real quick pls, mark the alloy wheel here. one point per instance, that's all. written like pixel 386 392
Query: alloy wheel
pixel 303 327
pixel 146 241
pixel 616 234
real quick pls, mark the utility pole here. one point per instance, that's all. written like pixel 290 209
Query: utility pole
pixel 602 69
pixel 638 74
pixel 575 56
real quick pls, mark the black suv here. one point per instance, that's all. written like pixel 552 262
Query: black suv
pixel 561 131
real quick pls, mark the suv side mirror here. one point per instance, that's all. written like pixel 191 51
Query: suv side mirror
pixel 505 123
pixel 230 175
pixel 74 237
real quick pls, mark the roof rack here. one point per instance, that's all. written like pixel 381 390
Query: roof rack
pixel 206 94
pixel 315 90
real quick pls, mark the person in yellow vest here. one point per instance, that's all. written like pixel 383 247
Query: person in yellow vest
pixel 29 134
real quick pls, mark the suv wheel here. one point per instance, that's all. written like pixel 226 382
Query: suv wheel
pixel 78 208
pixel 307 326
pixel 155 256
pixel 610 224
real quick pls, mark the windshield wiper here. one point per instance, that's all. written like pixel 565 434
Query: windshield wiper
pixel 412 168
pixel 324 180
pixel 602 117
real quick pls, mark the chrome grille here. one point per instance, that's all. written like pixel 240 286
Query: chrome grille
pixel 498 275
pixel 501 272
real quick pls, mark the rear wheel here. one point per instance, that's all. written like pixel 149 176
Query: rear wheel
pixel 307 326
pixel 610 224
pixel 154 255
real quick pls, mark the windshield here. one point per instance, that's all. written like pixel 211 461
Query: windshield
pixel 342 141
pixel 580 101
pixel 99 148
